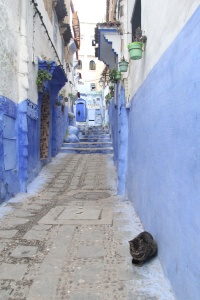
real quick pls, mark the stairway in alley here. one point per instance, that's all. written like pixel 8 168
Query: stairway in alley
pixel 94 139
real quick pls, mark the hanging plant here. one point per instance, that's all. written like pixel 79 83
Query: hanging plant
pixel 135 48
pixel 111 88
pixel 57 103
pixel 112 76
pixel 123 65
pixel 62 92
pixel 118 75
pixel 108 97
pixel 42 77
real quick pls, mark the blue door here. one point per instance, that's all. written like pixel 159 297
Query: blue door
pixel 81 112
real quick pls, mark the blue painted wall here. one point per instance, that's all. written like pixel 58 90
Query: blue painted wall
pixel 33 136
pixel 163 166
pixel 20 159
pixel 9 175
pixel 123 142
pixel 60 123
pixel 113 112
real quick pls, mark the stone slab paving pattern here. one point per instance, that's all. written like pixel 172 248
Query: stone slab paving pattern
pixel 67 238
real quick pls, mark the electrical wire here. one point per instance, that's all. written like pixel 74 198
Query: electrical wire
pixel 46 31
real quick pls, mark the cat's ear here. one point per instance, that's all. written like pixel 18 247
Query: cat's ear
pixel 129 242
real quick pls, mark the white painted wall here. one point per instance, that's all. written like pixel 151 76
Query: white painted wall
pixel 160 33
pixel 86 54
pixel 19 43
pixel 9 33
pixel 42 46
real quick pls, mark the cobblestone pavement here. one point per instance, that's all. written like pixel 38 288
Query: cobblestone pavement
pixel 67 238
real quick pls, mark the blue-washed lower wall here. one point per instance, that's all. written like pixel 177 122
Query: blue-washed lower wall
pixel 59 127
pixel 20 159
pixel 114 128
pixel 33 137
pixel 9 173
pixel 123 142
pixel 163 169
pixel 118 124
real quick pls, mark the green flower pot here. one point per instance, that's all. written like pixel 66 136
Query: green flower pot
pixel 118 75
pixel 123 66
pixel 135 50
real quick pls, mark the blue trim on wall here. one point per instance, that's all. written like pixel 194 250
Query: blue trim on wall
pixel 110 43
pixel 9 179
pixel 163 170
pixel 101 31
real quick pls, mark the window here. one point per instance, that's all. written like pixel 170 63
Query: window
pixel 79 64
pixel 92 86
pixel 136 18
pixel 92 65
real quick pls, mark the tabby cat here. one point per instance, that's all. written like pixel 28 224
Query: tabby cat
pixel 142 247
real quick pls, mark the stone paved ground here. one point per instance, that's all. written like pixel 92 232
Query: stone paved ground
pixel 67 238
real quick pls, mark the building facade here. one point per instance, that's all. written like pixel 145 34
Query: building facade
pixel 34 87
pixel 154 121
pixel 89 67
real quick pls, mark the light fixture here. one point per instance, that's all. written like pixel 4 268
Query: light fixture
pixel 101 81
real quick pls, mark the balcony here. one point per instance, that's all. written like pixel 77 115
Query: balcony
pixel 107 36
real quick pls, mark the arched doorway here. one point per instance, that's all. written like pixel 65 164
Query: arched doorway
pixel 44 126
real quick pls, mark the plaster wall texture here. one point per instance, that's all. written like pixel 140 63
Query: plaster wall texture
pixel 163 165
pixel 9 33
pixel 161 22
pixel 39 46
pixel 19 45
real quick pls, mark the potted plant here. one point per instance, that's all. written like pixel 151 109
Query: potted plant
pixel 114 76
pixel 62 94
pixel 118 75
pixel 57 103
pixel 111 88
pixel 108 96
pixel 71 96
pixel 135 48
pixel 123 65
pixel 42 77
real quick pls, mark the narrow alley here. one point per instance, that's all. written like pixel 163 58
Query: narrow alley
pixel 99 142
pixel 67 238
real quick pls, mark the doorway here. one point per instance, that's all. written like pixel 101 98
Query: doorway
pixel 44 126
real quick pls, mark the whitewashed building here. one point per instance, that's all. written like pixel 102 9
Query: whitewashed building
pixel 35 67
pixel 154 122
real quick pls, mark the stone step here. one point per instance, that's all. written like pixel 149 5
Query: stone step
pixel 93 135
pixel 88 145
pixel 95 140
pixel 108 150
